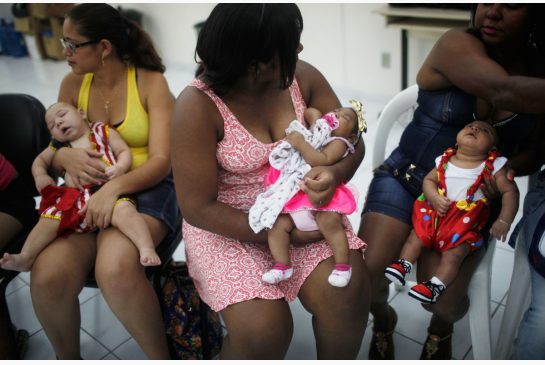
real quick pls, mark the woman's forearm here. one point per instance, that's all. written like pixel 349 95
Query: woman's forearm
pixel 345 169
pixel 222 219
pixel 57 162
pixel 521 94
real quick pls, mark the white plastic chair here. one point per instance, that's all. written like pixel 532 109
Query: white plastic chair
pixel 400 109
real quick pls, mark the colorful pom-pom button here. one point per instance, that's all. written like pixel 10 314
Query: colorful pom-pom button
pixel 455 237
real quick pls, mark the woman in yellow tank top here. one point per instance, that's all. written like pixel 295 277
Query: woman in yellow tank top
pixel 117 78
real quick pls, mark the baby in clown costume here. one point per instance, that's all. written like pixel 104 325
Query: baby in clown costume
pixel 452 210
pixel 283 206
pixel 62 207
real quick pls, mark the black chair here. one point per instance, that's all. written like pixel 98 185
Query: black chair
pixel 23 136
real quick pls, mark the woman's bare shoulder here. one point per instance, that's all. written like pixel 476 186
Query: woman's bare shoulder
pixel 305 72
pixel 449 59
pixel 315 89
pixel 70 86
pixel 308 78
pixel 149 75
pixel 195 102
pixel 197 107
pixel 153 87
pixel 460 39
pixel 150 79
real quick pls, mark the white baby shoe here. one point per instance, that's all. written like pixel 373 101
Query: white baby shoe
pixel 275 276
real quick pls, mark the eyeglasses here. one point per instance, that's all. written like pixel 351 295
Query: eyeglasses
pixel 72 47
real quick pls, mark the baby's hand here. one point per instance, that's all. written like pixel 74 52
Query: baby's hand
pixel 113 171
pixel 500 229
pixel 440 204
pixel 42 181
pixel 295 139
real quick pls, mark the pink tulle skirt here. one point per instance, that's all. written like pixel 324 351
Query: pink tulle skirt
pixel 343 201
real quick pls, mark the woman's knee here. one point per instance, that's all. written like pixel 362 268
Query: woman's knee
pixel 320 298
pixel 385 236
pixel 53 282
pixel 121 279
pixel 262 340
pixel 61 270
pixel 258 329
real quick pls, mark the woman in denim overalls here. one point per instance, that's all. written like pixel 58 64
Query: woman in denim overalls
pixel 468 75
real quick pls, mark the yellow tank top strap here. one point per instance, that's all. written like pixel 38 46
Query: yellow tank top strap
pixel 135 129
pixel 83 97
pixel 135 110
pixel 132 86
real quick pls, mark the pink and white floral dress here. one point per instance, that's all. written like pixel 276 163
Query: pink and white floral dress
pixel 227 271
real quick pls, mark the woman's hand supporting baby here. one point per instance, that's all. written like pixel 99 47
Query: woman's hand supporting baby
pixel 98 210
pixel 85 167
pixel 319 184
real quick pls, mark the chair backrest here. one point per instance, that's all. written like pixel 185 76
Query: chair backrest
pixel 23 134
pixel 399 109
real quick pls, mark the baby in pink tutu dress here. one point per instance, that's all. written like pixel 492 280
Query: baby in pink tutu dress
pixel 345 127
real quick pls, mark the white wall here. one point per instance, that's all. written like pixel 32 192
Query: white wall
pixel 344 41
pixel 172 28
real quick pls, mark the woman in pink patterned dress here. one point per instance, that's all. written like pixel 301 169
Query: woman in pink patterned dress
pixel 249 86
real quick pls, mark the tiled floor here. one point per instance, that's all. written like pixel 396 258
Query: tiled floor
pixel 103 336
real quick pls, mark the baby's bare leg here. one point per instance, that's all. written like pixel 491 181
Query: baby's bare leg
pixel 279 239
pixel 279 244
pixel 127 219
pixel 331 226
pixel 41 235
pixel 451 260
pixel 411 249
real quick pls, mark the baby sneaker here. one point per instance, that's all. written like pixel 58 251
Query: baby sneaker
pixel 278 273
pixel 340 276
pixel 397 270
pixel 426 292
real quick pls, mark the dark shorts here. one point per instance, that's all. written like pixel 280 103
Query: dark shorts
pixel 160 202
pixel 395 186
pixel 18 202
pixel 387 196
